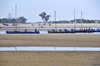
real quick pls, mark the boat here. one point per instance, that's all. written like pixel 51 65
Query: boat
pixel 97 31
pixel 22 32
pixel 83 31
pixel 74 31
pixel 61 31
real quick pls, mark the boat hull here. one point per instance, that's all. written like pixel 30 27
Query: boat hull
pixel 22 32
pixel 61 32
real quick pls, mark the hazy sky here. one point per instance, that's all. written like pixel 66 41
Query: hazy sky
pixel 31 9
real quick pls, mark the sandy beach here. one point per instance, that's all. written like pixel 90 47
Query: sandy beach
pixel 68 40
pixel 41 27
pixel 59 25
pixel 50 58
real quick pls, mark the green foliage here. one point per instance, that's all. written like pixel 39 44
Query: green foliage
pixel 13 20
pixel 78 21
pixel 22 19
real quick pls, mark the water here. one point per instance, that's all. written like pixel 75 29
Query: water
pixel 2 32
pixel 41 28
pixel 46 32
pixel 49 48
pixel 43 32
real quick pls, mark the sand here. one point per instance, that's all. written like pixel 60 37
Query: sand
pixel 58 25
pixel 68 40
pixel 50 58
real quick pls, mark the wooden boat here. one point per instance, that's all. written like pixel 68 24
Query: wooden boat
pixel 76 31
pixel 22 32
pixel 82 31
pixel 86 31
pixel 97 31
pixel 61 31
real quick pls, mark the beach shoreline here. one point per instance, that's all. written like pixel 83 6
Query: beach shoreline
pixel 58 25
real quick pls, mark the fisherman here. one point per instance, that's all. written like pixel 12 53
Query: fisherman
pixel 97 29
pixel 53 30
pixel 60 30
pixel 93 30
pixel 25 30
pixel 65 30
pixel 71 29
pixel 35 30
pixel 89 29
pixel 84 29
pixel 15 30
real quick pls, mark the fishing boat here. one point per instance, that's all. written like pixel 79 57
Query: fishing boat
pixel 96 30
pixel 22 32
pixel 61 31
pixel 83 31
pixel 73 31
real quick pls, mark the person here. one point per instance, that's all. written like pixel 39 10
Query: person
pixel 53 29
pixel 15 30
pixel 84 29
pixel 60 30
pixel 25 30
pixel 35 30
pixel 71 29
pixel 65 29
pixel 97 29
pixel 89 28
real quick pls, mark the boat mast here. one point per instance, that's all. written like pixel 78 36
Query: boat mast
pixel 16 15
pixel 81 19
pixel 75 20
pixel 55 20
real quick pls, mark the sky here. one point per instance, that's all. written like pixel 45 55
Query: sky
pixel 31 9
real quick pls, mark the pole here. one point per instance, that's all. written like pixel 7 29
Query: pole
pixel 16 15
pixel 50 18
pixel 81 19
pixel 55 20
pixel 75 20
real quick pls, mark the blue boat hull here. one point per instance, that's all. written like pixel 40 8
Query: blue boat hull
pixel 22 32
pixel 78 31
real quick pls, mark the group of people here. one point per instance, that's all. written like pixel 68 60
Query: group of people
pixel 25 30
pixel 89 29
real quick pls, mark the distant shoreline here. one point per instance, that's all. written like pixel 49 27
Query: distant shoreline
pixel 58 25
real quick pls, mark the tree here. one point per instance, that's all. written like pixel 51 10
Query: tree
pixel 22 19
pixel 0 20
pixel 44 17
pixel 13 20
pixel 4 20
